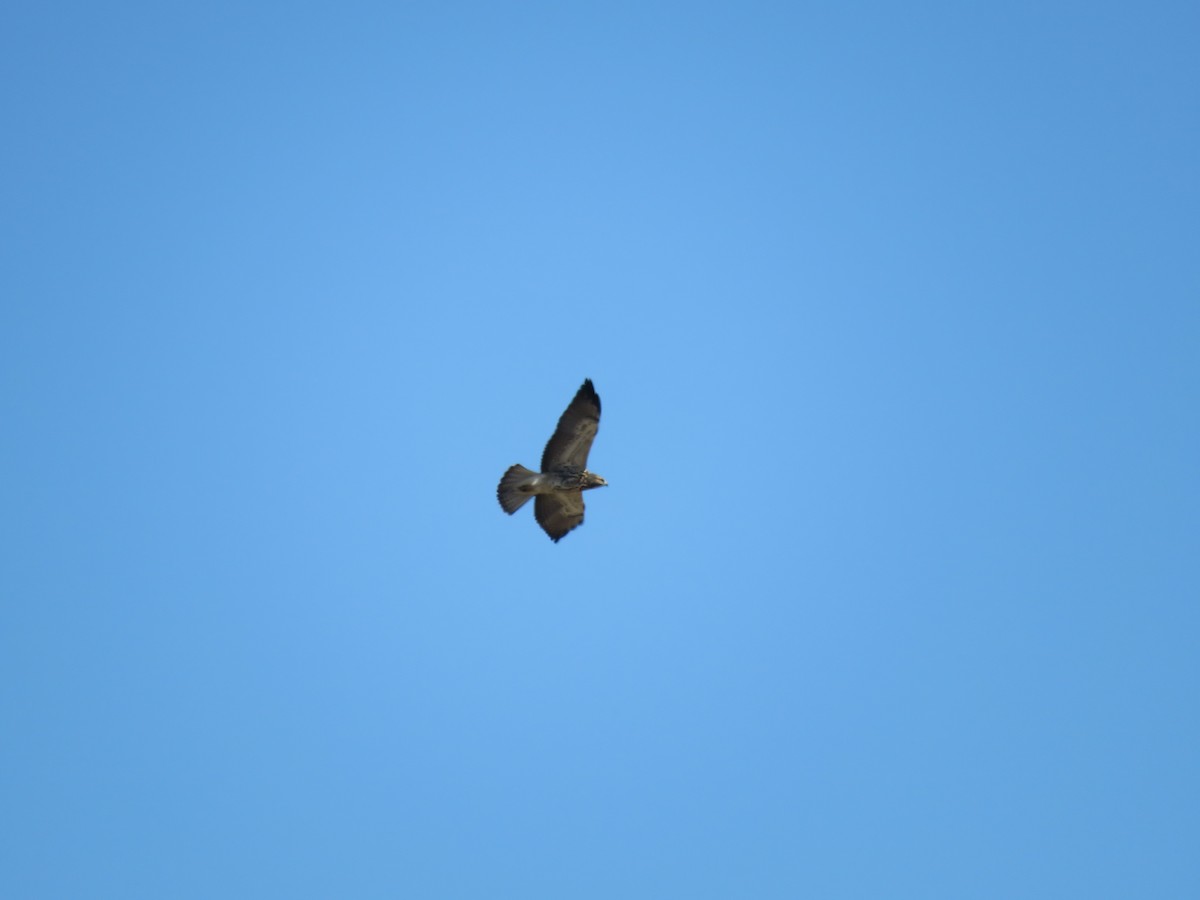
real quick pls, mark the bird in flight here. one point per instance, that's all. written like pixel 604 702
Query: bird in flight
pixel 557 490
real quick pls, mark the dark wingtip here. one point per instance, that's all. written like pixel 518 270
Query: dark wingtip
pixel 565 533
pixel 589 390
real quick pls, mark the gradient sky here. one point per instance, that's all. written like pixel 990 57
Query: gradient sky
pixel 895 314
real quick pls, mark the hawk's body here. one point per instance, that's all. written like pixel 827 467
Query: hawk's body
pixel 558 488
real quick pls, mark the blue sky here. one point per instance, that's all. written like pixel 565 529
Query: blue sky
pixel 895 315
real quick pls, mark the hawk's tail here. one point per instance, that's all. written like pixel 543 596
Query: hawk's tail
pixel 509 492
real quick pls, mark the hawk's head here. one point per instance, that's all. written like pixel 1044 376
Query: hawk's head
pixel 592 480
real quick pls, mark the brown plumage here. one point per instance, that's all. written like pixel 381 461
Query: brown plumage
pixel 558 489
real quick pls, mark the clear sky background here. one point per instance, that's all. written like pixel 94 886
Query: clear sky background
pixel 895 314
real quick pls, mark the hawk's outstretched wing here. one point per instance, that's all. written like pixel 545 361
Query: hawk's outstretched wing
pixel 573 437
pixel 558 513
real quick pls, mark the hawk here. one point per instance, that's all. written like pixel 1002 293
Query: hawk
pixel 557 490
